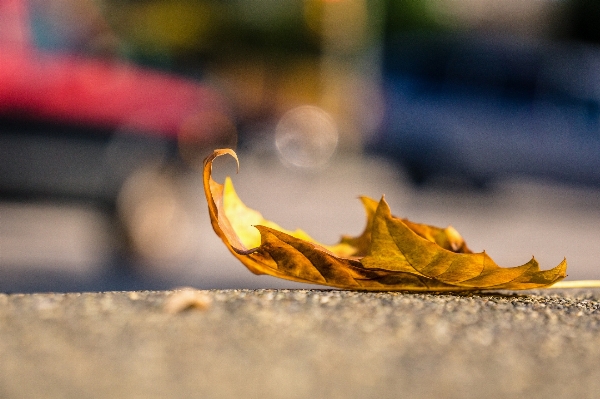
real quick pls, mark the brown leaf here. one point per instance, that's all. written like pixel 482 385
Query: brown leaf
pixel 391 253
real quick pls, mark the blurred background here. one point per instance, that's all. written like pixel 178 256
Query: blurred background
pixel 480 114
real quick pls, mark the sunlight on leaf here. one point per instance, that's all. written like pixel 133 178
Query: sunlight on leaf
pixel 391 253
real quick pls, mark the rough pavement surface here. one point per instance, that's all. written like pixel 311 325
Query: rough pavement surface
pixel 301 344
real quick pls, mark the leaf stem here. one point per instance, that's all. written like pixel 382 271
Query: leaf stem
pixel 576 284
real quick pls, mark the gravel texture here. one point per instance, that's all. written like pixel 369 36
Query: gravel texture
pixel 300 344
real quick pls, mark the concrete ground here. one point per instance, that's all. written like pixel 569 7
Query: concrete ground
pixel 300 344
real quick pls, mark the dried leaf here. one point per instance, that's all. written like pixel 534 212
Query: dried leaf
pixel 391 253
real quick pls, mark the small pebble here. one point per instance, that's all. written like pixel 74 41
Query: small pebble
pixel 187 298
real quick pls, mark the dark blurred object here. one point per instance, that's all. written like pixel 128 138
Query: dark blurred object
pixel 477 108
pixel 59 161
pixel 582 20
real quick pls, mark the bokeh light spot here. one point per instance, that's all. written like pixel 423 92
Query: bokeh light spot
pixel 306 137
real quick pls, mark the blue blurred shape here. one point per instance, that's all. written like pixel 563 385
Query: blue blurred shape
pixel 478 109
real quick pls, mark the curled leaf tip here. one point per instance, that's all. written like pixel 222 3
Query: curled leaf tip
pixel 391 254
pixel 217 153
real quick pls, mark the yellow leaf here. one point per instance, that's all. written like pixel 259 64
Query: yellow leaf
pixel 391 253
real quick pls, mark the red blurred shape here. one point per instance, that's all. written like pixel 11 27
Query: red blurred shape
pixel 73 89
